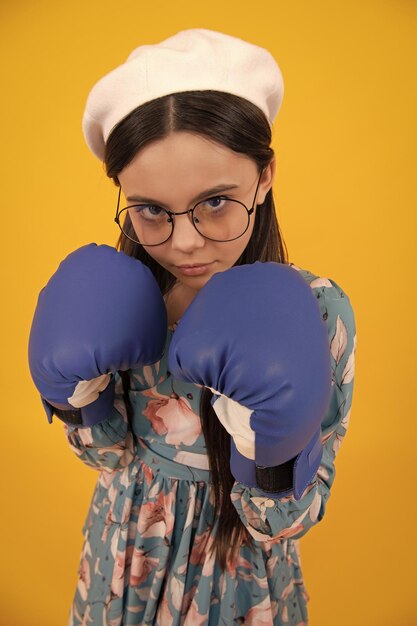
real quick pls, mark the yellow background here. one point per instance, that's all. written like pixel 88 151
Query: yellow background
pixel 346 199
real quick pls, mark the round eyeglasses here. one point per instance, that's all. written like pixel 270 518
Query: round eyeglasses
pixel 218 218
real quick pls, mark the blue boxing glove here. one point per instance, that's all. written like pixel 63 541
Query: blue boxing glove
pixel 102 311
pixel 254 335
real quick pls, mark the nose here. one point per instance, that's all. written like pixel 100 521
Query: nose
pixel 185 236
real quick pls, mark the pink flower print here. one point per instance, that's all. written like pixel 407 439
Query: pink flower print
pixel 313 509
pixel 147 472
pixel 286 620
pixel 142 565
pixel 238 561
pixel 200 547
pixel 285 533
pixel 325 438
pixel 87 617
pixel 152 513
pixel 174 417
pixel 349 371
pixel 187 600
pixel 164 615
pixel 118 574
pixel 320 282
pixel 151 412
pixel 84 578
pixel 210 562
pixel 287 591
pixel 322 474
pixel 337 443
pixel 176 590
pixel 271 565
pixel 339 341
pixel 194 618
pixel 192 459
pixel 130 547
pixel 147 377
pixel 106 479
pixel 252 516
pixel 260 615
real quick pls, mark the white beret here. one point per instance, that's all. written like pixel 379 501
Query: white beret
pixel 193 59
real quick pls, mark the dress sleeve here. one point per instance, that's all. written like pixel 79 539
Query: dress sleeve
pixel 274 519
pixel 110 444
pixel 107 445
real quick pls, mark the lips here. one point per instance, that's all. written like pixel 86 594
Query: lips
pixel 194 269
pixel 195 265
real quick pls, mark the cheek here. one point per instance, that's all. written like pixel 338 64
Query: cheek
pixel 240 244
pixel 160 256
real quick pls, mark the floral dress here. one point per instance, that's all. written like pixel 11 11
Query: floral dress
pixel 145 558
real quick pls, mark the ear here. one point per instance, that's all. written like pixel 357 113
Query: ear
pixel 267 180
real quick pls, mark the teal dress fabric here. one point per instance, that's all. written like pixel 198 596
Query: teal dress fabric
pixel 145 556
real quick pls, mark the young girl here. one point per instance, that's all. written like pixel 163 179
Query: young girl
pixel 213 412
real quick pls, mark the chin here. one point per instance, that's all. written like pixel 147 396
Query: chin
pixel 195 282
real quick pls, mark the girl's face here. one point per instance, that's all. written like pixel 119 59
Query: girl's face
pixel 175 170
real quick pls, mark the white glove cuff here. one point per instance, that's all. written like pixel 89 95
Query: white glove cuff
pixel 236 420
pixel 87 391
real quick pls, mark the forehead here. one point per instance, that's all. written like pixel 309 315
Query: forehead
pixel 182 154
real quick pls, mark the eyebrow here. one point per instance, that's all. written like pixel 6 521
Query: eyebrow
pixel 200 196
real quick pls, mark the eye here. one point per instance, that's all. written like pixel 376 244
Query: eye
pixel 215 201
pixel 215 204
pixel 149 211
pixel 150 208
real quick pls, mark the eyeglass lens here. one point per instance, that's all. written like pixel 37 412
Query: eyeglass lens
pixel 219 219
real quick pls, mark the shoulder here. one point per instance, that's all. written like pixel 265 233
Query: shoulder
pixel 323 287
pixel 336 310
pixel 314 280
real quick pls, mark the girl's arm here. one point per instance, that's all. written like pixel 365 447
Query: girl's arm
pixel 108 445
pixel 272 520
pixel 101 312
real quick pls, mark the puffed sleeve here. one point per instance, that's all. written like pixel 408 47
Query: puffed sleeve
pixel 109 445
pixel 274 519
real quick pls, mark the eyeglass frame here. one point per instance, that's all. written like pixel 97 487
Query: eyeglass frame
pixel 172 213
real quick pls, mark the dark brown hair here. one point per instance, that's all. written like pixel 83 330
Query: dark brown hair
pixel 242 127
